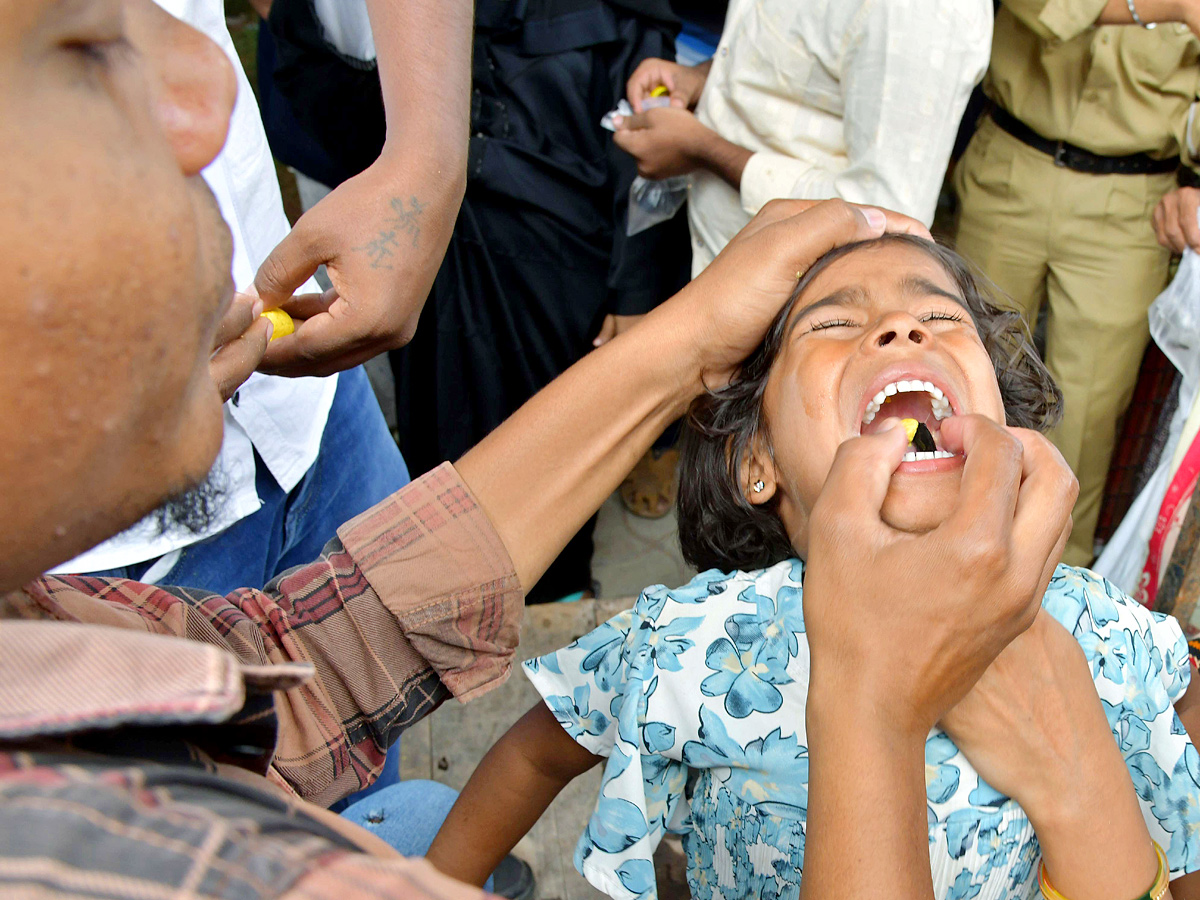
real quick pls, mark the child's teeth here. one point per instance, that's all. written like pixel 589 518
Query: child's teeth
pixel 937 399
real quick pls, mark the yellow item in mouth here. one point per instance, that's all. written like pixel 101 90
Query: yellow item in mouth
pixel 660 91
pixel 910 427
pixel 283 323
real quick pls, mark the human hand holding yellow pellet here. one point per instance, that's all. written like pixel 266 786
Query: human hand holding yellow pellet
pixel 282 322
pixel 240 342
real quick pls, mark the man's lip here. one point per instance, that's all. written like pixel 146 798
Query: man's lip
pixel 906 372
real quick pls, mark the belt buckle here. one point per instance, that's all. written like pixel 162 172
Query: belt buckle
pixel 1060 154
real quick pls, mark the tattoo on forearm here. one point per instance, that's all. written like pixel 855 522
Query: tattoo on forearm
pixel 402 221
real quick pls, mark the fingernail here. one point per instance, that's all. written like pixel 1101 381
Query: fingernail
pixel 257 309
pixel 875 218
pixel 891 424
pixel 270 330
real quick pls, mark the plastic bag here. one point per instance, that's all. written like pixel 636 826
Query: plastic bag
pixel 1175 326
pixel 650 201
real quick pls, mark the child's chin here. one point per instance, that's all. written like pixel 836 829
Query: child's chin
pixel 920 509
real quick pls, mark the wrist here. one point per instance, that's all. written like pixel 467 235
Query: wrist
pixel 676 335
pixel 1155 11
pixel 1091 830
pixel 846 695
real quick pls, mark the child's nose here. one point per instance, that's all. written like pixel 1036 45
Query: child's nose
pixel 899 330
pixel 915 336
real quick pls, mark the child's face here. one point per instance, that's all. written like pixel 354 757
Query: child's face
pixel 881 315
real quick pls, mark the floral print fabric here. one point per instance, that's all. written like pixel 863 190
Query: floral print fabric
pixel 697 695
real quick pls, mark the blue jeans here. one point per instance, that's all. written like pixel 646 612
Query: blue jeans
pixel 358 465
pixel 406 815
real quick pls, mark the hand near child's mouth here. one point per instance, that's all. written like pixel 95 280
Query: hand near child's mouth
pixel 950 600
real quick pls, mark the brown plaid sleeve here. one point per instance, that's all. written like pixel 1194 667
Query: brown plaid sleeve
pixel 416 600
pixel 357 877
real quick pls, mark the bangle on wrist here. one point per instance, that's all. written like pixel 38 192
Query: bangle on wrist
pixel 1162 879
pixel 1138 19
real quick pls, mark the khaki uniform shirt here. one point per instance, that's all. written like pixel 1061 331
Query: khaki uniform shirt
pixel 1111 89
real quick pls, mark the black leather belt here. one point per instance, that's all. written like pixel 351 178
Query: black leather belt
pixel 1076 158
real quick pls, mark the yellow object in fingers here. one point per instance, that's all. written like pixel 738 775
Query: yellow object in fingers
pixel 660 91
pixel 910 428
pixel 282 321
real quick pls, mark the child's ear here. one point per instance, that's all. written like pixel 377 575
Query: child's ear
pixel 757 473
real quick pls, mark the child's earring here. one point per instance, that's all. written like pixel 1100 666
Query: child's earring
pixel 759 486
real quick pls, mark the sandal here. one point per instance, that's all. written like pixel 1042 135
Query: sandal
pixel 649 490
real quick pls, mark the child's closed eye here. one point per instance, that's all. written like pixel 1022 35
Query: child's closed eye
pixel 942 317
pixel 830 323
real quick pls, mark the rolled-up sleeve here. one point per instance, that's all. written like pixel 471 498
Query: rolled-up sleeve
pixel 437 564
pixel 415 601
pixel 1057 20
pixel 906 74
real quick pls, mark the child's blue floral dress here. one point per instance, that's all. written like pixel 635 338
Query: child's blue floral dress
pixel 697 698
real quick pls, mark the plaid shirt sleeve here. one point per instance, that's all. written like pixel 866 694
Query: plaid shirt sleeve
pixel 360 877
pixel 414 601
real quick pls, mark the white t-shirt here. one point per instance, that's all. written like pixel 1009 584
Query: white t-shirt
pixel 857 99
pixel 282 418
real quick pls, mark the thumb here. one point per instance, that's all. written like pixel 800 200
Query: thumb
pixel 235 361
pixel 636 122
pixel 608 331
pixel 293 261
pixel 862 470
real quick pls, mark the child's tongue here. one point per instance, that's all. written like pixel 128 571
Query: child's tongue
pixel 911 405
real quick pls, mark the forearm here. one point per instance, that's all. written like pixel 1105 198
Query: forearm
pixel 423 51
pixel 1116 12
pixel 849 855
pixel 550 466
pixel 509 791
pixel 1093 837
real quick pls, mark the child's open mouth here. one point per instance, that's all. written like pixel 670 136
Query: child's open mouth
pixel 921 401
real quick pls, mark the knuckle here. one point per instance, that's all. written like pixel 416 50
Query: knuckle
pixel 271 274
pixel 985 555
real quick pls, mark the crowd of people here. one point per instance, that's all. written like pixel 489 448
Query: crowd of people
pixel 225 599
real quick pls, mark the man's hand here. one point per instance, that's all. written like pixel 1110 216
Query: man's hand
pixel 1034 728
pixel 683 83
pixel 1175 223
pixel 949 601
pixel 735 299
pixel 664 141
pixel 614 325
pixel 241 340
pixel 1027 723
pixel 381 236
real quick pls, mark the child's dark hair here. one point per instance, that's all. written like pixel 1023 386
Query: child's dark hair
pixel 718 527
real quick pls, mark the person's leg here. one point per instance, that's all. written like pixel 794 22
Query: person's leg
pixel 1106 269
pixel 358 466
pixel 1003 218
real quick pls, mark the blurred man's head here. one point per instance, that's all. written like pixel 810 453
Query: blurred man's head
pixel 118 269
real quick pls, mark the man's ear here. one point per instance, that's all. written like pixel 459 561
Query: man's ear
pixel 757 472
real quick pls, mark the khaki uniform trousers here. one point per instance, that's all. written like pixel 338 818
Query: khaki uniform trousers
pixel 1083 245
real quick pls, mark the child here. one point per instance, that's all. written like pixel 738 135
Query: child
pixel 696 697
